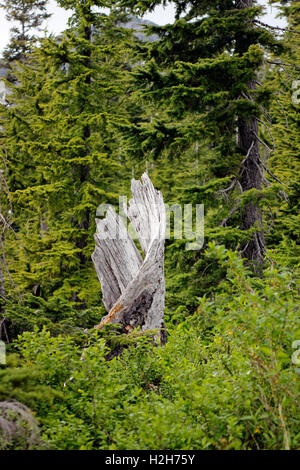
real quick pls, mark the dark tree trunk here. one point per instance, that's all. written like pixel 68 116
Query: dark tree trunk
pixel 85 170
pixel 251 179
pixel 251 171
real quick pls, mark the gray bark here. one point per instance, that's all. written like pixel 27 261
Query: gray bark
pixel 133 287
pixel 252 173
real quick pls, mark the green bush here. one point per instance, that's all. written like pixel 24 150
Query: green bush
pixel 225 379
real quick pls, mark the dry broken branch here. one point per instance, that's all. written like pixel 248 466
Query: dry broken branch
pixel 275 28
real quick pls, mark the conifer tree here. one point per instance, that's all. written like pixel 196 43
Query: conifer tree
pixel 201 75
pixel 284 114
pixel 61 140
pixel 27 17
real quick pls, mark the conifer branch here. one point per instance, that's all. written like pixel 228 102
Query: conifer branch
pixel 284 113
pixel 241 171
pixel 268 129
pixel 232 184
pixel 5 222
pixel 275 28
pixel 281 64
pixel 262 142
pixel 231 212
pixel 248 153
pixel 269 172
pixel 267 115
pixel 265 181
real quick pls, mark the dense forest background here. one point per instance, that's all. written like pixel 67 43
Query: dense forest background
pixel 209 107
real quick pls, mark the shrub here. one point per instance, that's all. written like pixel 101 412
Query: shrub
pixel 224 380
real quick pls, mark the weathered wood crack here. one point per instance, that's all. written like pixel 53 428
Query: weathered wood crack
pixel 133 287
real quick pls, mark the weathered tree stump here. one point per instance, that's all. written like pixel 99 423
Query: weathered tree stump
pixel 133 287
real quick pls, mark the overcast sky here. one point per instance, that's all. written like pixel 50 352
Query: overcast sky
pixel 161 16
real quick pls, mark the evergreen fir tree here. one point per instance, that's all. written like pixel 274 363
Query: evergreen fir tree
pixel 61 139
pixel 201 77
pixel 27 16
pixel 284 113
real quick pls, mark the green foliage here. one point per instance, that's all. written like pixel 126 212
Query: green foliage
pixel 20 384
pixel 224 380
pixel 58 315
pixel 91 108
pixel 197 89
pixel 64 161
pixel 285 160
pixel 27 17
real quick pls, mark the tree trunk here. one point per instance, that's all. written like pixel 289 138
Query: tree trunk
pixel 133 288
pixel 84 170
pixel 251 171
pixel 251 178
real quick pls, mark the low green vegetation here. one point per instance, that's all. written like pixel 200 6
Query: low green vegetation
pixel 209 106
pixel 225 379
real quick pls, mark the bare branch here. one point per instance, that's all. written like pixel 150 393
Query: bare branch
pixel 232 184
pixel 268 171
pixel 265 181
pixel 281 64
pixel 231 212
pixel 248 153
pixel 262 142
pixel 268 129
pixel 275 28
pixel 284 113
